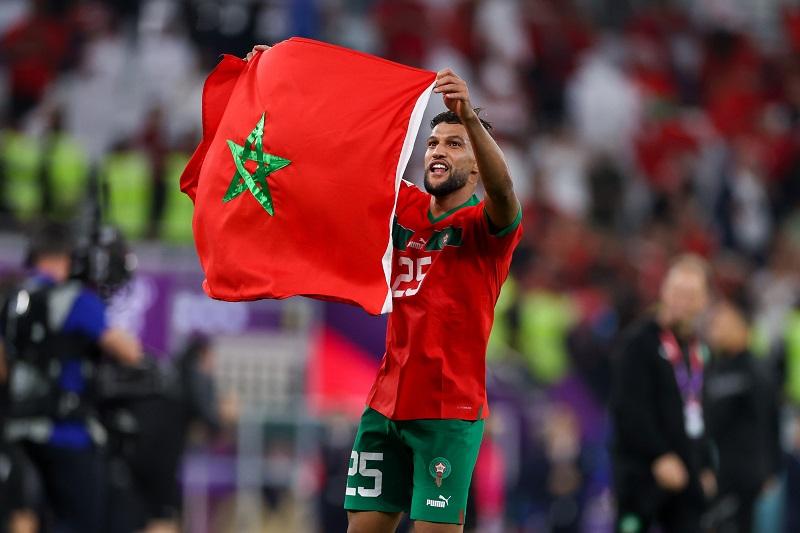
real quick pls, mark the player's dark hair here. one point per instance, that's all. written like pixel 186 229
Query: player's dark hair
pixel 48 239
pixel 449 117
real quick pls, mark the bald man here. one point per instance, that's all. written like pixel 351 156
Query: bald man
pixel 659 451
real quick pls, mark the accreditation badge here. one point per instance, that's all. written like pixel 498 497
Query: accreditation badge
pixel 693 418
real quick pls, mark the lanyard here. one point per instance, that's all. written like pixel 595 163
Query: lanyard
pixel 690 384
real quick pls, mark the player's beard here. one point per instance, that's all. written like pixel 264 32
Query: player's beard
pixel 456 180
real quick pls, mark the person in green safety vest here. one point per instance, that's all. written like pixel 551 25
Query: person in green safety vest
pixel 20 161
pixel 64 169
pixel 545 317
pixel 46 176
pixel 791 357
pixel 128 176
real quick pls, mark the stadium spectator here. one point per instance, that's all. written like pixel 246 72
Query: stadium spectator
pixel 35 49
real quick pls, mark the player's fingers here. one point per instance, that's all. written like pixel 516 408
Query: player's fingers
pixel 448 79
pixel 454 93
pixel 256 49
pixel 457 96
pixel 445 72
pixel 450 88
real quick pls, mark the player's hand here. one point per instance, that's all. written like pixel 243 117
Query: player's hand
pixel 256 49
pixel 454 92
pixel 670 472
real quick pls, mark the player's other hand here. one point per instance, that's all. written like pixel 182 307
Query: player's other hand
pixel 256 49
pixel 454 92
pixel 670 472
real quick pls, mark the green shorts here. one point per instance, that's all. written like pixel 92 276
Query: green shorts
pixel 423 467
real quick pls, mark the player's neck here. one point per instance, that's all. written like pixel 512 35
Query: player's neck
pixel 443 204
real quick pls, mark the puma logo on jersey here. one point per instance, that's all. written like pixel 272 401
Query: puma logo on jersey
pixel 419 244
pixel 441 503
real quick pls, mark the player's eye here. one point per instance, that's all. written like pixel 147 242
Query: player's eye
pixel 431 144
pixel 455 144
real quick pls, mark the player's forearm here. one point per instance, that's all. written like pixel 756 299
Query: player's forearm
pixel 501 202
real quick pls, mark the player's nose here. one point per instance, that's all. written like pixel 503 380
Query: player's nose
pixel 439 151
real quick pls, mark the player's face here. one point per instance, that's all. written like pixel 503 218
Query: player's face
pixel 449 160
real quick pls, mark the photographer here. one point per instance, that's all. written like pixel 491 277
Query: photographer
pixel 54 331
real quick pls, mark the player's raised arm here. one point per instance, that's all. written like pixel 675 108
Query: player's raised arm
pixel 502 205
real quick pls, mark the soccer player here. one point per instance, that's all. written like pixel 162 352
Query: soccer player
pixel 419 436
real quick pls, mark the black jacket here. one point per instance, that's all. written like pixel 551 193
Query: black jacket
pixel 647 416
pixel 738 411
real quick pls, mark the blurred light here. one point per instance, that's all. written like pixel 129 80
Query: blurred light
pixel 207 16
pixel 23 300
pixel 233 19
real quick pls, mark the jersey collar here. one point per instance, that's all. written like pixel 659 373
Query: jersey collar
pixel 473 200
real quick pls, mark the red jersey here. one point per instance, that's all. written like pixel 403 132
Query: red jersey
pixel 446 277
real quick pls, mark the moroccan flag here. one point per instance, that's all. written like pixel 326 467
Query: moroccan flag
pixel 296 178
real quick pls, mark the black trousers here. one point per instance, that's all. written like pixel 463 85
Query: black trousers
pixel 673 512
pixel 73 483
pixel 733 511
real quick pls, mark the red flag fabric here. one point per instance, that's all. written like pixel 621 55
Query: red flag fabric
pixel 296 177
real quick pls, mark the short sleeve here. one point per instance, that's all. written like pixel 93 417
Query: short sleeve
pixel 498 241
pixel 87 316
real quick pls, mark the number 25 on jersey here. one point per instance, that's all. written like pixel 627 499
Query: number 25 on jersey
pixel 412 272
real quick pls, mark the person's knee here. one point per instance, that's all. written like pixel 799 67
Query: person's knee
pixel 432 527
pixel 372 522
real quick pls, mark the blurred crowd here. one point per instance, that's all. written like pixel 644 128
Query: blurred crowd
pixel 634 131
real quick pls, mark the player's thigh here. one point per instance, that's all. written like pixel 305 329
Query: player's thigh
pixel 379 477
pixel 444 453
pixel 372 522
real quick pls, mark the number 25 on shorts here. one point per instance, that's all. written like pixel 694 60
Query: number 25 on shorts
pixel 358 465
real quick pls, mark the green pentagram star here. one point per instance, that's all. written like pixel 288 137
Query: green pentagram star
pixel 256 183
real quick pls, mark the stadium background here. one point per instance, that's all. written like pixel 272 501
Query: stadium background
pixel 634 130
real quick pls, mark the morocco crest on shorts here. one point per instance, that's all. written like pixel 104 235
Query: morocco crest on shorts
pixel 295 180
pixel 440 469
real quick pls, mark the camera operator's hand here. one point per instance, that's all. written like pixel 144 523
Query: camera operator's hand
pixel 122 346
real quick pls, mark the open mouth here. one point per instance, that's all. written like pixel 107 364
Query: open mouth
pixel 438 168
